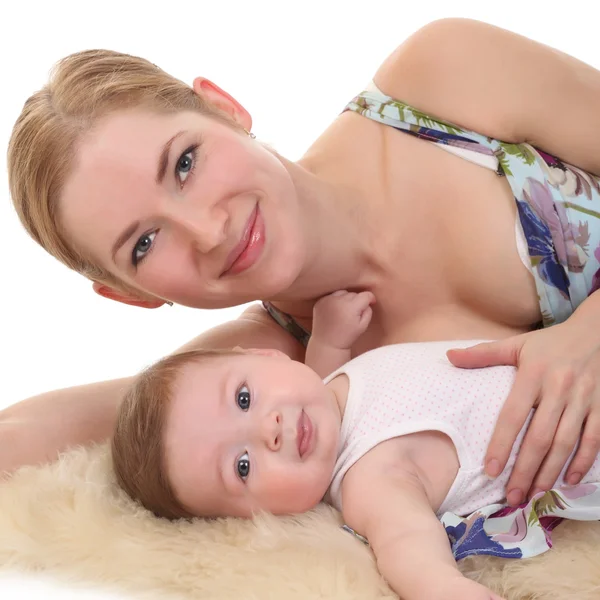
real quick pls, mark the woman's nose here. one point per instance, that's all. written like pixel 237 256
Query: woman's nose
pixel 271 430
pixel 206 227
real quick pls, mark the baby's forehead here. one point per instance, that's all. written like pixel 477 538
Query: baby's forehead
pixel 205 370
pixel 193 400
pixel 211 362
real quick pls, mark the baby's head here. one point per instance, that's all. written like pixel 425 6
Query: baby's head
pixel 227 433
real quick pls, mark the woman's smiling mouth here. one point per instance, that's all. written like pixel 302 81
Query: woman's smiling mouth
pixel 249 248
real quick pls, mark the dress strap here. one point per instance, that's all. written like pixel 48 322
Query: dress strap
pixel 288 323
pixel 373 104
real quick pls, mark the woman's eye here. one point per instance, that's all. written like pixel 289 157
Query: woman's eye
pixel 243 466
pixel 142 247
pixel 185 164
pixel 243 398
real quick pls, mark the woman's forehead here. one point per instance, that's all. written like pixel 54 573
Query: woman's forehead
pixel 121 145
pixel 141 128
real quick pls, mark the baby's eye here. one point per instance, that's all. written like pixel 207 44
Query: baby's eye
pixel 242 466
pixel 243 398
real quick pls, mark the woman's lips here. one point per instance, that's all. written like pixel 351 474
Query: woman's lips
pixel 304 436
pixel 250 246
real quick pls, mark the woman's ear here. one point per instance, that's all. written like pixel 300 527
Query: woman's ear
pixel 223 101
pixel 112 294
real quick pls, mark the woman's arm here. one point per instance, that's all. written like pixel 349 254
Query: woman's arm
pixel 35 430
pixel 500 84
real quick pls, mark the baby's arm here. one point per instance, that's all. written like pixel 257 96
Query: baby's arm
pixel 410 544
pixel 338 320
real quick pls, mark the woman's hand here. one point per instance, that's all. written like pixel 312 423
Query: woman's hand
pixel 559 374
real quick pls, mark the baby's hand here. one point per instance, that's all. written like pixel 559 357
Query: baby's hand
pixel 340 318
pixel 462 588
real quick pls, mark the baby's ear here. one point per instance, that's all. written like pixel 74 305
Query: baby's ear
pixel 262 352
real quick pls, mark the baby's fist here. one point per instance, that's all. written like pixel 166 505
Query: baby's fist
pixel 340 318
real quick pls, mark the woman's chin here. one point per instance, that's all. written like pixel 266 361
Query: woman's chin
pixel 275 282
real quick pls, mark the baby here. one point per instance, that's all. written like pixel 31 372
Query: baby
pixel 393 438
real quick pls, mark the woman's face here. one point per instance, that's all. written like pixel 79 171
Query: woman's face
pixel 184 208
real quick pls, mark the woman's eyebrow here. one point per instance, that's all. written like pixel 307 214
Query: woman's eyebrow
pixel 163 159
pixel 123 238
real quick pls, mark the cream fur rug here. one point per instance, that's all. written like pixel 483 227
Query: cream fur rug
pixel 69 519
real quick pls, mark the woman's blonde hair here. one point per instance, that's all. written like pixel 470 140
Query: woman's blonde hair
pixel 138 449
pixel 82 88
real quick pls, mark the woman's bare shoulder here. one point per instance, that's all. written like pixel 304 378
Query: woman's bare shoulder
pixel 254 328
pixel 453 69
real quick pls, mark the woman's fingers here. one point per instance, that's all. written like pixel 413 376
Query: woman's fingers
pixel 562 446
pixel 538 441
pixel 589 446
pixel 512 417
pixel 488 354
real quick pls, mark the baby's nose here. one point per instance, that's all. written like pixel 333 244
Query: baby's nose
pixel 271 430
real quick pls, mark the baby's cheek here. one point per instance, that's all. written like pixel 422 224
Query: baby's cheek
pixel 295 490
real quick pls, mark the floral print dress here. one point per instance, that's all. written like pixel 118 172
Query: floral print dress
pixel 559 215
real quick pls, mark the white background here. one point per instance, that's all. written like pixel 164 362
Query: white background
pixel 292 64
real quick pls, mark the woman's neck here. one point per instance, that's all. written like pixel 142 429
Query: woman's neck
pixel 339 225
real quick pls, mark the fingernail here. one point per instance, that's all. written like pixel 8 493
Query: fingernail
pixel 492 468
pixel 537 491
pixel 574 479
pixel 515 497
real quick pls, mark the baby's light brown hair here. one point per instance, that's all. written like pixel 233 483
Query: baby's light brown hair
pixel 138 445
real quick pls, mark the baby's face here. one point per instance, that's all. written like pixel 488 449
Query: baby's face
pixel 251 432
